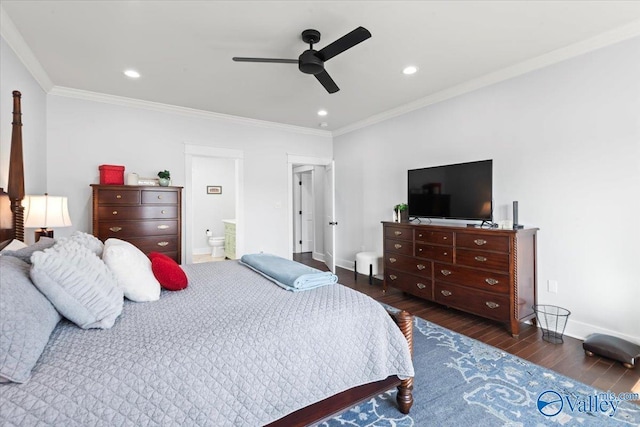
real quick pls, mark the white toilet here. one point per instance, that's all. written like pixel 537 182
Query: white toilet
pixel 217 246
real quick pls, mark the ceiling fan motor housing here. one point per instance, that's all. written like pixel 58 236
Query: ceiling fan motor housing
pixel 309 63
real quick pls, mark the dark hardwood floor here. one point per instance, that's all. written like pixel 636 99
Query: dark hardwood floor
pixel 567 358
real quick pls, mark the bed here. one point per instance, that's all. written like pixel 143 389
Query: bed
pixel 230 349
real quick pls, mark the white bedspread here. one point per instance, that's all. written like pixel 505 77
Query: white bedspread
pixel 231 349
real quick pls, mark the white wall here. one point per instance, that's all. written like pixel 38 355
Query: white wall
pixel 84 134
pixel 211 209
pixel 14 76
pixel 565 141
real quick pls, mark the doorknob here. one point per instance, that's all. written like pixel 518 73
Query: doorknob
pixel 333 222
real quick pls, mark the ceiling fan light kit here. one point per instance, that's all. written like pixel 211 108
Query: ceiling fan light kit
pixel 312 61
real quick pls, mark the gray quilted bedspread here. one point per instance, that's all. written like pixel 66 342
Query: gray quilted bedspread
pixel 231 349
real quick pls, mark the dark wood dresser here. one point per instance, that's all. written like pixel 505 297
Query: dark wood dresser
pixel 488 272
pixel 148 217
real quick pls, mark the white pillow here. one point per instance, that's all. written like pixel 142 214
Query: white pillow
pixel 14 246
pixel 132 270
pixel 89 241
pixel 78 284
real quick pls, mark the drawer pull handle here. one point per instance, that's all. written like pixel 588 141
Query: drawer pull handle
pixel 420 235
pixel 445 272
pixel 492 304
pixel 115 212
pixel 163 227
pixel 419 249
pixel 397 233
pixel 115 229
pixel 421 266
pixel 392 260
pixel 163 244
pixel 480 242
pixel 445 238
pixel 446 293
pixel 393 277
pixel 118 196
pixel 444 253
pixel 480 258
pixel 397 246
pixel 162 211
pixel 491 281
pixel 421 285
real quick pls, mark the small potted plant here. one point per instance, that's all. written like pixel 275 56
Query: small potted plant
pixel 401 210
pixel 165 178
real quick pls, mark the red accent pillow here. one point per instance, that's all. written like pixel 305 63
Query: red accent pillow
pixel 167 272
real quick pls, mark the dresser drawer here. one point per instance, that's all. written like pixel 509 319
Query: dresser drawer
pixel 484 304
pixel 482 259
pixel 119 197
pixel 437 253
pixel 398 246
pixel 437 237
pixel 137 212
pixel 155 244
pixel 482 241
pixel 495 282
pixel 120 229
pixel 159 197
pixel 399 233
pixel 407 264
pixel 418 286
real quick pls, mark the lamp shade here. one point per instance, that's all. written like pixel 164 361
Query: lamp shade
pixel 46 211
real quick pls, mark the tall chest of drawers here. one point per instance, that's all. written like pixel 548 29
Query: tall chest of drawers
pixel 487 272
pixel 148 217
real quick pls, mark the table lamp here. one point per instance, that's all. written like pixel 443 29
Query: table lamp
pixel 44 213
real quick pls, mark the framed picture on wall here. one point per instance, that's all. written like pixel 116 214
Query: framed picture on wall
pixel 214 189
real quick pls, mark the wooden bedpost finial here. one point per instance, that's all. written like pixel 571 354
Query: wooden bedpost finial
pixel 15 185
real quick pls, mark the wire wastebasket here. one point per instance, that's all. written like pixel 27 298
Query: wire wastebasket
pixel 552 321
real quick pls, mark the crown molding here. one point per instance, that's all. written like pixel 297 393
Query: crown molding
pixel 619 34
pixel 174 109
pixel 14 39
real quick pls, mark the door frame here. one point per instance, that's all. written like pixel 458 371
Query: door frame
pixel 299 160
pixel 191 151
pixel 298 172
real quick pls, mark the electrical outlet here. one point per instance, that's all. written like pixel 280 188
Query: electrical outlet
pixel 552 286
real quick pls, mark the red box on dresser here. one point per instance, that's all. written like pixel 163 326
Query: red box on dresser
pixel 111 175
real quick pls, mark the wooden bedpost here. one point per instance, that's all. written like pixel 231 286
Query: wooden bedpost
pixel 404 320
pixel 15 187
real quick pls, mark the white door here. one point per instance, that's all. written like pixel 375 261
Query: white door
pixel 306 212
pixel 329 217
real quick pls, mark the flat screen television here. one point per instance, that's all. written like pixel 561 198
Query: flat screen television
pixel 459 191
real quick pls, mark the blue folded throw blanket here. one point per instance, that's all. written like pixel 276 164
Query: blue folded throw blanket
pixel 288 274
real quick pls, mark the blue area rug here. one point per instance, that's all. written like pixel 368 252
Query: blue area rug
pixel 462 382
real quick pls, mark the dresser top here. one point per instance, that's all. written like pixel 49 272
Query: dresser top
pixel 458 227
pixel 136 187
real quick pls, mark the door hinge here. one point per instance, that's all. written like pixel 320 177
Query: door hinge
pixel 299 182
pixel 300 241
pixel 300 212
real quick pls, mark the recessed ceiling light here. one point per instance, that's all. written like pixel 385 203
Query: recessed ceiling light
pixel 132 73
pixel 411 69
pixel 322 113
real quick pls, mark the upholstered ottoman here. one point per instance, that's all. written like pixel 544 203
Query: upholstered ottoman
pixel 366 263
pixel 612 347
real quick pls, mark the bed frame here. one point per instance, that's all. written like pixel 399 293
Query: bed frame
pixel 12 227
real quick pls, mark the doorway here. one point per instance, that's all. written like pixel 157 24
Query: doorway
pixel 309 233
pixel 212 199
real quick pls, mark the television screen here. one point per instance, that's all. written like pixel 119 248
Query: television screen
pixel 460 191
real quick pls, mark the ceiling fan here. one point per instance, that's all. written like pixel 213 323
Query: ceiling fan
pixel 312 61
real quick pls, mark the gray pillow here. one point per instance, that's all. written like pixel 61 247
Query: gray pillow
pixel 25 253
pixel 27 319
pixel 78 284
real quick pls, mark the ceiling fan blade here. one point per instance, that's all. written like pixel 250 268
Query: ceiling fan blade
pixel 276 60
pixel 345 42
pixel 325 80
